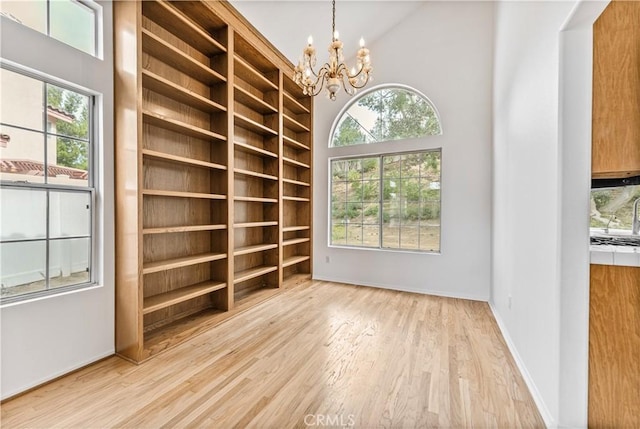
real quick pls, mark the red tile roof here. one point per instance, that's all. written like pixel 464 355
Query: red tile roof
pixel 34 168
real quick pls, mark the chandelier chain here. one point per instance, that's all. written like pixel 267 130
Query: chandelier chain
pixel 333 20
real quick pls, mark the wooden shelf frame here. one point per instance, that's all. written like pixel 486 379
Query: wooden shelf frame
pixel 181 194
pixel 174 57
pixel 255 150
pixel 182 27
pixel 294 124
pixel 207 83
pixel 253 126
pixel 253 101
pixel 185 261
pixel 293 260
pixel 252 273
pixel 180 127
pixel 294 241
pixel 181 159
pixel 165 87
pixel 294 105
pixel 167 299
pixel 294 143
pixel 185 228
pixel 252 75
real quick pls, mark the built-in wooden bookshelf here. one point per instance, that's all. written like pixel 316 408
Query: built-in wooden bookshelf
pixel 213 187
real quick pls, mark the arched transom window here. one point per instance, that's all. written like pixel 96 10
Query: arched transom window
pixel 384 114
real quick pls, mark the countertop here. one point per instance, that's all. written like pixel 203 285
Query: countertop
pixel 627 256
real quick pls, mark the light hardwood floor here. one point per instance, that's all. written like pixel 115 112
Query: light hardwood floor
pixel 315 354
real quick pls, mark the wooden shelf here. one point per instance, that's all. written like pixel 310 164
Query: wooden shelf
pixel 180 26
pixel 170 264
pixel 187 228
pixel 180 127
pixel 294 260
pixel 296 182
pixel 294 143
pixel 167 88
pixel 294 228
pixel 255 224
pixel 294 125
pixel 253 249
pixel 174 57
pixel 294 162
pixel 251 125
pixel 255 174
pixel 179 194
pixel 252 273
pixel 297 106
pixel 300 199
pixel 254 150
pixel 203 116
pixel 181 159
pixel 255 199
pixel 248 99
pixel 293 241
pixel 167 299
pixel 252 75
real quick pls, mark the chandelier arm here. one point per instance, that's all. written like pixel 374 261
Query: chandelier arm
pixel 315 89
pixel 363 83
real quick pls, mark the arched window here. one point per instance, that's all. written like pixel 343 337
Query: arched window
pixel 386 200
pixel 383 114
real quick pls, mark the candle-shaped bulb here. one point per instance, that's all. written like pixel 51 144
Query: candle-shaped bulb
pixel 310 40
pixel 336 35
pixel 353 71
pixel 362 42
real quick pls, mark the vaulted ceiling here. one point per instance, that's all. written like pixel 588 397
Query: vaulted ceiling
pixel 287 24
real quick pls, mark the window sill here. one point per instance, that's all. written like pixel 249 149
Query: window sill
pixel 385 250
pixel 71 290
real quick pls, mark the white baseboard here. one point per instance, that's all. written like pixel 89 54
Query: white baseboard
pixel 445 294
pixel 36 383
pixel 533 389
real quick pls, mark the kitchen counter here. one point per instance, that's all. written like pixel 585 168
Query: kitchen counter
pixel 626 256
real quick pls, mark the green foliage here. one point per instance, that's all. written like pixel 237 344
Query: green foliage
pixel 348 133
pixel 401 114
pixel 371 211
pixel 70 152
pixel 601 198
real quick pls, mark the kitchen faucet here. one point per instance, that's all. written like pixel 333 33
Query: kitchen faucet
pixel 635 228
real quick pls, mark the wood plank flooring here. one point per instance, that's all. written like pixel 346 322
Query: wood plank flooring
pixel 317 355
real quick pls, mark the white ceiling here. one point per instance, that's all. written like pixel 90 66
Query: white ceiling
pixel 288 23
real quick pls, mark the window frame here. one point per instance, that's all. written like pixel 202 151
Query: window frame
pixel 381 149
pixel 380 202
pixel 93 140
pixel 97 26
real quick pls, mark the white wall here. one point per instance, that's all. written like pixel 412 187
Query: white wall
pixel 542 141
pixel 443 50
pixel 45 338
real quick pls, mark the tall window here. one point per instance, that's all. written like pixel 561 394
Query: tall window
pixel 46 187
pixel 74 22
pixel 389 200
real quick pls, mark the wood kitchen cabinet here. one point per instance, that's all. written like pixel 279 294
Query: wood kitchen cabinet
pixel 614 347
pixel 616 91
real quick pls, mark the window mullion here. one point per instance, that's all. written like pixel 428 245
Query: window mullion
pixel 380 199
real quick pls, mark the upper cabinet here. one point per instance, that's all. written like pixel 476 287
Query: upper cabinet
pixel 616 91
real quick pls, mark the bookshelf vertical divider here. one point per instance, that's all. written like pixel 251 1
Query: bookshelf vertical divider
pixel 213 171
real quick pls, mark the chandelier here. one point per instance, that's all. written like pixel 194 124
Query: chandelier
pixel 334 73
